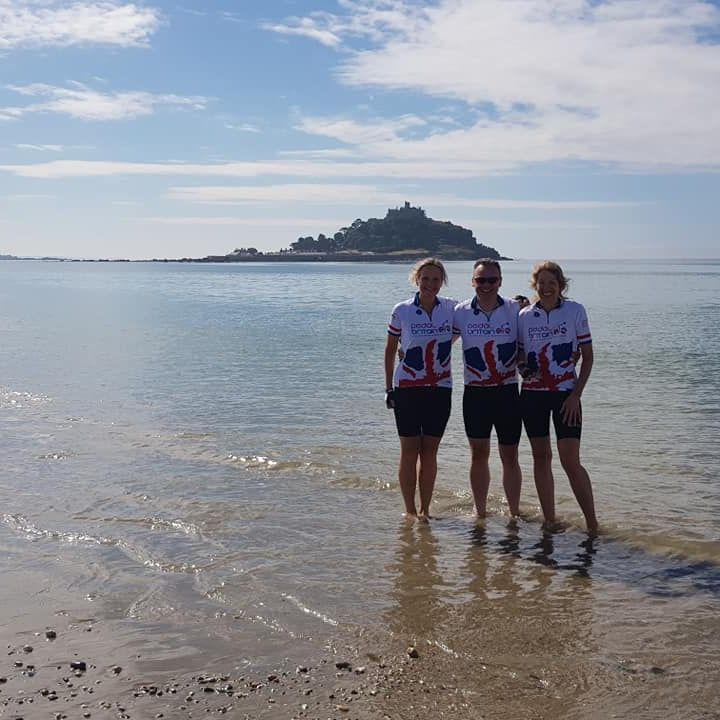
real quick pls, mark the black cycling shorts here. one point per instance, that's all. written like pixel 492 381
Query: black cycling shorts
pixel 422 410
pixel 537 407
pixel 499 406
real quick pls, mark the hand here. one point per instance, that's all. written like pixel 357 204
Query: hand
pixel 525 372
pixel 570 410
pixel 389 399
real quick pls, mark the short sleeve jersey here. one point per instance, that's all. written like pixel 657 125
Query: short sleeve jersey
pixel 549 340
pixel 489 341
pixel 426 342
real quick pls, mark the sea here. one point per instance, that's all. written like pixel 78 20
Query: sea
pixel 203 450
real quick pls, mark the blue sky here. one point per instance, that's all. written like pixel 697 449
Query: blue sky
pixel 551 128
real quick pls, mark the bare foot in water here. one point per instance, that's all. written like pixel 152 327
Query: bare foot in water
pixel 554 527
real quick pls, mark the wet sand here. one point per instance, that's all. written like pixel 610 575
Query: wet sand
pixel 63 666
pixel 75 668
pixel 59 662
pixel 522 639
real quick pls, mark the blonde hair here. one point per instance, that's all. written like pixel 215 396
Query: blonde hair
pixel 420 265
pixel 555 269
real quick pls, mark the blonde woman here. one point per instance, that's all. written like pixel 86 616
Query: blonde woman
pixel 418 389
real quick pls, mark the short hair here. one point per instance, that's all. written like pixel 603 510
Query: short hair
pixel 489 262
pixel 522 299
pixel 420 265
pixel 555 269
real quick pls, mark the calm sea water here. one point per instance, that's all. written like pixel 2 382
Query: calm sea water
pixel 208 444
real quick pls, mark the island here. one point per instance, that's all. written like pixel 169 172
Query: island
pixel 405 233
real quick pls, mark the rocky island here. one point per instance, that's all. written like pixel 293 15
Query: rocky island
pixel 405 233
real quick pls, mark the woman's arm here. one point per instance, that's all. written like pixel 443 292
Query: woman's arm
pixel 571 407
pixel 390 352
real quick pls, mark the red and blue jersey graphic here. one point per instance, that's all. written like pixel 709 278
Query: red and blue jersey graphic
pixel 489 342
pixel 426 341
pixel 549 340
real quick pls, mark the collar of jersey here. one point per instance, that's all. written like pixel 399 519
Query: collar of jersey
pixel 538 305
pixel 417 300
pixel 474 303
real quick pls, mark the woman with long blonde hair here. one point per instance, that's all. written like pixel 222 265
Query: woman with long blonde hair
pixel 419 388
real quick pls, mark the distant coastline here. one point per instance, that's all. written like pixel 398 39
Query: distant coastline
pixel 328 257
pixel 288 257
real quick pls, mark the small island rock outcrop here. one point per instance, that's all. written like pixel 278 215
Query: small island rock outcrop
pixel 404 231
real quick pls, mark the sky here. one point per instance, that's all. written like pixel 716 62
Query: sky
pixel 550 128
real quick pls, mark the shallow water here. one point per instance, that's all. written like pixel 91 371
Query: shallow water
pixel 207 446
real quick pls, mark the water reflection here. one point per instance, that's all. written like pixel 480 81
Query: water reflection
pixel 418 608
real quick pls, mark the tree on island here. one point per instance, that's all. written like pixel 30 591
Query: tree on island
pixel 403 230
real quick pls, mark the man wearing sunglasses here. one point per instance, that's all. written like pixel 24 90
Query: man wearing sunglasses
pixel 488 326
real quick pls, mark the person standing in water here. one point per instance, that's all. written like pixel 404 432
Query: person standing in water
pixel 488 326
pixel 419 388
pixel 551 331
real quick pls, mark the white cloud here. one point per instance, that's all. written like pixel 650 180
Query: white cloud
pixel 312 168
pixel 631 83
pixel 306 27
pixel 334 153
pixel 291 222
pixel 359 194
pixel 232 17
pixel 372 19
pixel 40 148
pixel 243 127
pixel 38 23
pixel 292 168
pixel 369 134
pixel 27 196
pixel 191 11
pixel 297 192
pixel 84 103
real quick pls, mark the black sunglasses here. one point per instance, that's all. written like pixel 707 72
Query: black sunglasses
pixel 486 280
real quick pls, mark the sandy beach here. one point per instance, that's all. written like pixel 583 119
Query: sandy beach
pixel 62 661
pixel 61 664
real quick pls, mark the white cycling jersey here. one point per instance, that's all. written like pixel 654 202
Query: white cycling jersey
pixel 426 343
pixel 489 341
pixel 549 340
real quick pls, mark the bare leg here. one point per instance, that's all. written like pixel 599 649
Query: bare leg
pixel 569 450
pixel 544 481
pixel 512 476
pixel 480 473
pixel 428 471
pixel 407 471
